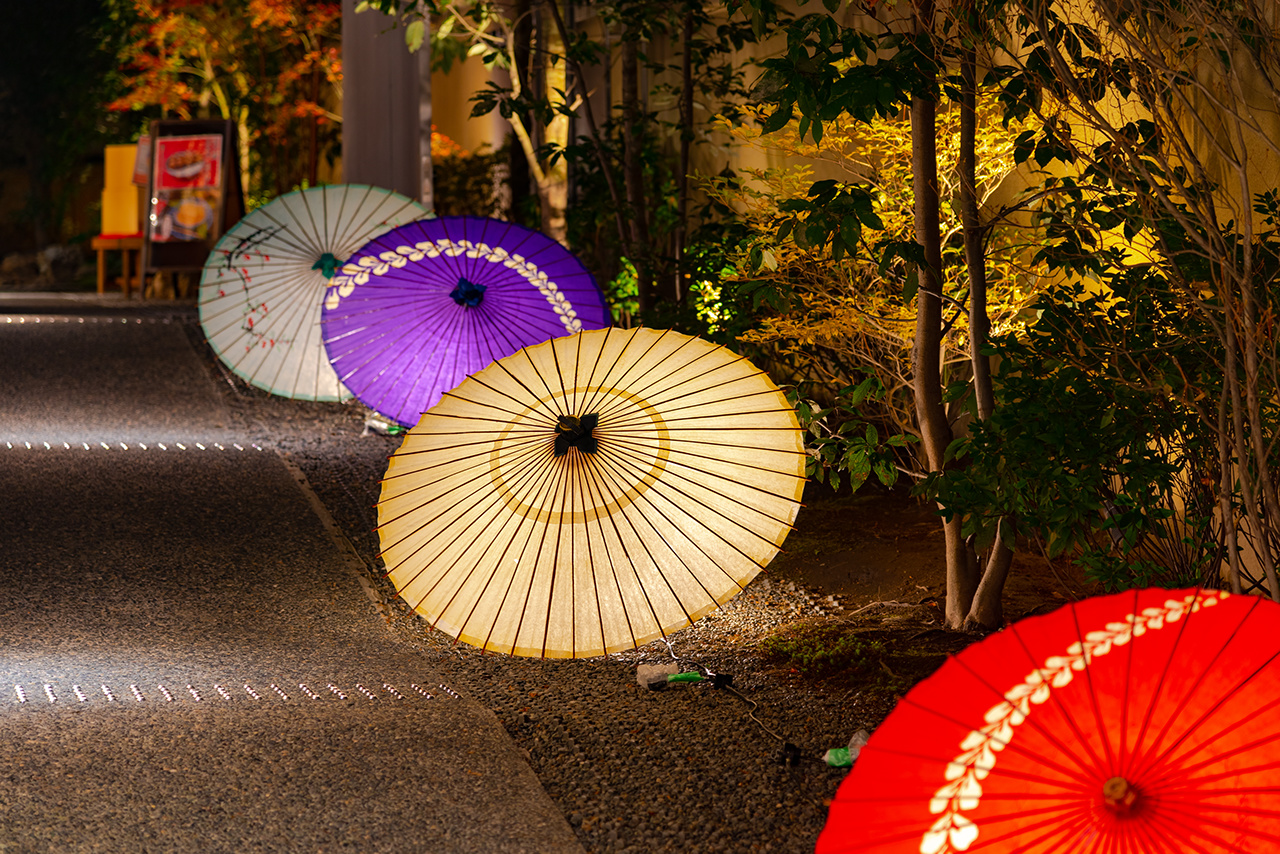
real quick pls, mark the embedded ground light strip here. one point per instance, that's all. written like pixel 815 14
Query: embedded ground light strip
pixel 272 692
pixel 91 320
pixel 60 445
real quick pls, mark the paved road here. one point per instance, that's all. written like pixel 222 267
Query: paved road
pixel 186 661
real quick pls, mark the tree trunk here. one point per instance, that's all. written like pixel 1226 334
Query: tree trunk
pixel 313 129
pixel 985 611
pixel 425 117
pixel 633 175
pixel 926 349
pixel 553 79
pixel 686 140
pixel 606 166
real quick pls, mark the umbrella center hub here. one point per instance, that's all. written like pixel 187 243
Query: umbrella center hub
pixel 327 264
pixel 575 432
pixel 1121 797
pixel 467 293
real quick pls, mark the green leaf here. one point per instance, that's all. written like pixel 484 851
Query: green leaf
pixel 413 35
pixel 886 473
pixel 861 392
pixel 911 285
pixel 849 232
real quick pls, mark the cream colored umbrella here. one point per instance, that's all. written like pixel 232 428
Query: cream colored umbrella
pixel 591 493
pixel 263 286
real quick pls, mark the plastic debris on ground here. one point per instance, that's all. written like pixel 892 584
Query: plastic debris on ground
pixel 844 757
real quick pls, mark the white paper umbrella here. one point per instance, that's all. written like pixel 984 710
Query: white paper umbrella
pixel 263 286
pixel 591 493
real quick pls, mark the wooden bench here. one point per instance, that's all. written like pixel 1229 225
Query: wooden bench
pixel 126 244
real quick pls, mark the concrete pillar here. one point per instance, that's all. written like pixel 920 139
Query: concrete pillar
pixel 380 104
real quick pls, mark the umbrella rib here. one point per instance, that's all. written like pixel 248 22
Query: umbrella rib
pixel 449 330
pixel 369 217
pixel 1128 682
pixel 584 489
pixel 291 323
pixel 1054 831
pixel 311 345
pixel 493 498
pixel 577 372
pixel 626 413
pixel 564 392
pixel 637 468
pixel 1144 759
pixel 519 449
pixel 548 472
pixel 531 439
pixel 1182 772
pixel 642 388
pixel 1080 773
pixel 538 401
pixel 1151 761
pixel 595 366
pixel 1109 761
pixel 633 436
pixel 637 448
pixel 285 238
pixel 598 482
pixel 1195 801
pixel 556 478
pixel 316 234
pixel 1192 831
pixel 669 406
pixel 617 479
pixel 551 395
pixel 548 425
pixel 234 314
pixel 475 568
pixel 525 457
pixel 633 363
pixel 567 497
pixel 294 237
pixel 1076 731
pixel 603 476
pixel 598 499
pixel 382 342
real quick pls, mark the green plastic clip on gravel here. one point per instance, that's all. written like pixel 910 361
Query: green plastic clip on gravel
pixel 685 677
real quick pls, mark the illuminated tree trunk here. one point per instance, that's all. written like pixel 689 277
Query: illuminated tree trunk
pixel 986 611
pixel 935 430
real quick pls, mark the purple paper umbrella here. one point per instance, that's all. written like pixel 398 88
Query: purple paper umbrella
pixel 419 309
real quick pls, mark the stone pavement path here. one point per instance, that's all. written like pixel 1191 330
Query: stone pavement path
pixel 186 662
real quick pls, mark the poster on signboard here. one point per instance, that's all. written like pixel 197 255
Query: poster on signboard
pixel 187 187
pixel 194 191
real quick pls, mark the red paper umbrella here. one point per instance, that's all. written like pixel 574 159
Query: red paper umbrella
pixel 1145 721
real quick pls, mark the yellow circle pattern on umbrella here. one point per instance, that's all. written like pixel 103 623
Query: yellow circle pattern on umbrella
pixel 628 420
pixel 591 493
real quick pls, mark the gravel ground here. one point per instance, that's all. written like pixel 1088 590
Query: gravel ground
pixel 691 768
pixel 187 662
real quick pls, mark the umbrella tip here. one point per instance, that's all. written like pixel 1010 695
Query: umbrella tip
pixel 1120 796
pixel 327 264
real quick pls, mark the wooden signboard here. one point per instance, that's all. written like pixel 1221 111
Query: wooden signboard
pixel 193 192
